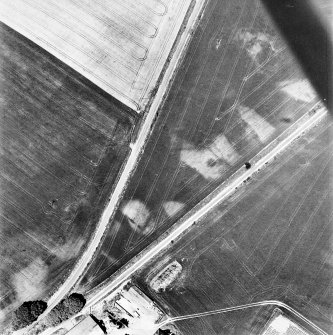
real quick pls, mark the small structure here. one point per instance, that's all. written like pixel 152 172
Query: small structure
pixel 87 327
pixel 166 276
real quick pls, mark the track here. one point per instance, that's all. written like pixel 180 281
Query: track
pixel 245 306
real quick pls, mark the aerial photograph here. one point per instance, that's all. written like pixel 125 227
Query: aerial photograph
pixel 166 167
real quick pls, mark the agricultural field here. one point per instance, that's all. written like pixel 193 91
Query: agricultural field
pixel 120 45
pixel 251 320
pixel 63 142
pixel 237 89
pixel 271 240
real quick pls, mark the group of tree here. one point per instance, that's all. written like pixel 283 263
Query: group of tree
pixel 27 313
pixel 119 322
pixel 66 308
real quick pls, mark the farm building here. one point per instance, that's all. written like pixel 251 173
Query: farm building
pixel 129 311
pixel 137 305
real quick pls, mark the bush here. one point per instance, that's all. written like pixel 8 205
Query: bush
pixel 27 313
pixel 66 308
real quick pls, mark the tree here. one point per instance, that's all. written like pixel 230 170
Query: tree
pixel 66 308
pixel 27 313
pixel 120 323
pixel 74 303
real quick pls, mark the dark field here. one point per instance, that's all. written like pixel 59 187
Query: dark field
pixel 251 320
pixel 270 240
pixel 237 89
pixel 63 143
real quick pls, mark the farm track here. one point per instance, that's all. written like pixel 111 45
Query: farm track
pixel 242 307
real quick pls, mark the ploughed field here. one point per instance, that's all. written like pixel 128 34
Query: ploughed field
pixel 63 142
pixel 120 45
pixel 270 240
pixel 237 89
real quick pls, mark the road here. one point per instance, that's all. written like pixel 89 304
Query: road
pixel 245 306
pixel 136 149
pixel 174 232
pixel 177 230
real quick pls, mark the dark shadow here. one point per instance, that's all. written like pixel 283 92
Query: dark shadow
pixel 308 38
pixel 100 323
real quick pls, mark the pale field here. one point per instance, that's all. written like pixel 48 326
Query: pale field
pixel 281 325
pixel 121 46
